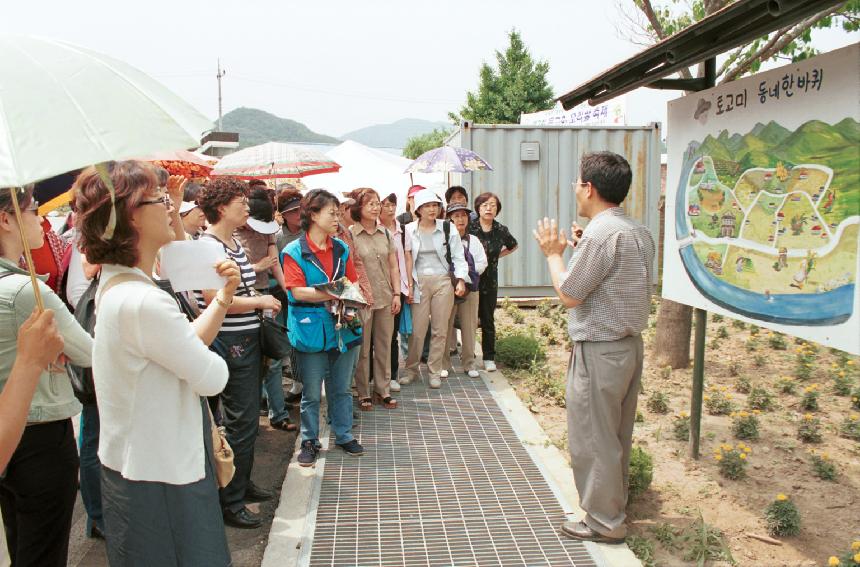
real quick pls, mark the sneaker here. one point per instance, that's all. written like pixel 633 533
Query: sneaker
pixel 435 382
pixel 352 448
pixel 405 380
pixel 394 386
pixel 490 365
pixel 443 375
pixel 309 453
pixel 474 374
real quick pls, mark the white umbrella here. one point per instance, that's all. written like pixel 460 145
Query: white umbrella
pixel 275 160
pixel 63 107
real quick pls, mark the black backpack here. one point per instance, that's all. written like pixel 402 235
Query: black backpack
pixel 85 315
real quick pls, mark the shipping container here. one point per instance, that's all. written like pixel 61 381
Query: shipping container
pixel 534 168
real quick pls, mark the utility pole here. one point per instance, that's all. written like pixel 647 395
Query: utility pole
pixel 221 73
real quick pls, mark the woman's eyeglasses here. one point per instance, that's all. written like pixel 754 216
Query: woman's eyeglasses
pixel 163 200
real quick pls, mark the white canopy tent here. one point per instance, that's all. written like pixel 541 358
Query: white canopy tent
pixel 362 166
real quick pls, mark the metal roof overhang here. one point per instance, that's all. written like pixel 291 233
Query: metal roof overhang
pixel 734 25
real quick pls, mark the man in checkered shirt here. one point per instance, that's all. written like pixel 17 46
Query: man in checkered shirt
pixel 607 287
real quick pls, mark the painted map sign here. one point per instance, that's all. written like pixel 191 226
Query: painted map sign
pixel 763 199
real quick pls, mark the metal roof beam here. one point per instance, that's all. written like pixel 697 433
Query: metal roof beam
pixel 735 25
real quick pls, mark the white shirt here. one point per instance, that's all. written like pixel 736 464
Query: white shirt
pixel 150 369
pixel 473 243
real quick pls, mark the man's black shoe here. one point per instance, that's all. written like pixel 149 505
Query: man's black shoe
pixel 256 494
pixel 244 519
pixel 293 398
pixel 308 456
pixel 352 448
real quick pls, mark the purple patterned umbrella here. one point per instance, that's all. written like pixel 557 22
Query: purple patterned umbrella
pixel 448 159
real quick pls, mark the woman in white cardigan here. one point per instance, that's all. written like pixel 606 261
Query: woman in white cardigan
pixel 151 369
pixel 433 295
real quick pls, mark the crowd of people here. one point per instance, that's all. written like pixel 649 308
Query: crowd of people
pixel 164 380
pixel 137 349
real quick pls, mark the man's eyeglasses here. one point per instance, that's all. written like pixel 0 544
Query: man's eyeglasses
pixel 163 200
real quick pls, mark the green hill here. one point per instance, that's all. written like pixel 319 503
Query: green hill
pixel 394 135
pixel 849 128
pixel 772 133
pixel 812 139
pixel 258 127
pixel 715 148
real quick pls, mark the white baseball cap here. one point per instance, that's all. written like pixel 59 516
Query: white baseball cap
pixel 186 206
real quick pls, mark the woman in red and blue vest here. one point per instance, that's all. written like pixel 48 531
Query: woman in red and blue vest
pixel 323 352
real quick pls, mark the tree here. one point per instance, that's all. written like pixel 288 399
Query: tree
pixel 518 86
pixel 417 145
pixel 653 21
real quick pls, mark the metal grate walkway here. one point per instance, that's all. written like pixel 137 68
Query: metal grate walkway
pixel 444 481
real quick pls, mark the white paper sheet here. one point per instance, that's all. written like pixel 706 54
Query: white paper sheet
pixel 191 264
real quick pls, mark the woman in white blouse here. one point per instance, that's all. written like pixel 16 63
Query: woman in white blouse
pixel 151 369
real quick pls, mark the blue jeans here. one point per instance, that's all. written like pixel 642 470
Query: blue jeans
pixel 273 385
pixel 335 369
pixel 91 470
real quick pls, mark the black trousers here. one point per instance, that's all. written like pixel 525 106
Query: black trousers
pixel 37 495
pixel 240 401
pixel 486 315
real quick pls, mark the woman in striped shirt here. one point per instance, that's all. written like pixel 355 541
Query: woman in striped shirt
pixel 225 203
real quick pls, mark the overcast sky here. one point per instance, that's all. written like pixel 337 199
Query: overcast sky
pixel 338 66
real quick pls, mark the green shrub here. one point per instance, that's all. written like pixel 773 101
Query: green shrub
pixel 782 517
pixel 855 398
pixel 745 425
pixel 545 308
pixel 742 384
pixel 842 384
pixel 666 372
pixel 760 399
pixel 718 401
pixel 850 427
pixel 732 461
pixel 751 344
pixel 759 360
pixel 722 332
pixel 734 368
pixel 641 471
pixel 717 318
pixel 705 543
pixel 642 548
pixel 519 351
pixel 640 417
pixel 658 402
pixel 681 426
pixel 809 430
pixel 822 465
pixel 786 385
pixel 809 401
pixel 754 330
pixel 738 324
pixel 777 341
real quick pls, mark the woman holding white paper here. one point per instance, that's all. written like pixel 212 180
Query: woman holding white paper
pixel 151 368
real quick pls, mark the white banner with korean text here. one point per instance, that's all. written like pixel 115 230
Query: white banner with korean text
pixel 763 199
pixel 611 113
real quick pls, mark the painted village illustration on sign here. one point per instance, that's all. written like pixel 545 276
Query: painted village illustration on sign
pixel 770 218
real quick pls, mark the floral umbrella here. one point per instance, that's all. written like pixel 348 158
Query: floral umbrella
pixel 448 159
pixel 275 160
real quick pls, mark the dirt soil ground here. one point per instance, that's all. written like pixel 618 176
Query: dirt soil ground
pixel 779 462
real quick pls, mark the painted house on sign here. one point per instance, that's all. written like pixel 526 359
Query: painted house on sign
pixel 700 167
pixel 727 225
pixel 693 210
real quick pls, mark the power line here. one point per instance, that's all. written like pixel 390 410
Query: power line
pixel 342 93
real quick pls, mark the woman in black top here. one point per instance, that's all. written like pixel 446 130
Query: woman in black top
pixel 498 243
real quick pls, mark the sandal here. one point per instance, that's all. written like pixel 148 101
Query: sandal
pixel 284 425
pixel 387 402
pixel 365 404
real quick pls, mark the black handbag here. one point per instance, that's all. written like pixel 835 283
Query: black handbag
pixel 274 342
